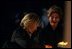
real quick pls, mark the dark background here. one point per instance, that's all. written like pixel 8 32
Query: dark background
pixel 10 10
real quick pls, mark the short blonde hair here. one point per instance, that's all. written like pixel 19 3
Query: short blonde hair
pixel 29 17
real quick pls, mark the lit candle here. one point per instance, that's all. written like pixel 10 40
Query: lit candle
pixel 62 44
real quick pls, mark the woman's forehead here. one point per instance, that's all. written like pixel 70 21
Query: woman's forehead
pixel 55 15
pixel 32 22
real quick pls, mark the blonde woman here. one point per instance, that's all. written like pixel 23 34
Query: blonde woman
pixel 26 36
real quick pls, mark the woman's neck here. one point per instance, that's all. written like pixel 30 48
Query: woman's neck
pixel 29 32
pixel 54 27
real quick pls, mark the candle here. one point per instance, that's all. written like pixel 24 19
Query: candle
pixel 62 44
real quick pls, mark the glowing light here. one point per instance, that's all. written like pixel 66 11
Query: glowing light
pixel 62 44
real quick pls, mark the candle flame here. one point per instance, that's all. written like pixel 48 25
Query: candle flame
pixel 63 43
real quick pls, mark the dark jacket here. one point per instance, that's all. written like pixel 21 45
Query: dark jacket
pixel 21 39
pixel 50 36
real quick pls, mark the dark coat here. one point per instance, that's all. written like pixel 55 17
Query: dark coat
pixel 50 36
pixel 20 39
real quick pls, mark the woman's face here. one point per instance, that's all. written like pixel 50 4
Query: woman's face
pixel 54 18
pixel 32 26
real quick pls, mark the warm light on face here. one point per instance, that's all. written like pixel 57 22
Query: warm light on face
pixel 32 26
pixel 54 19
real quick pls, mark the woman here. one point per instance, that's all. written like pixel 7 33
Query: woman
pixel 26 36
pixel 53 33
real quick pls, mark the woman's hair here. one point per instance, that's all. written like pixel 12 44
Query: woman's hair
pixel 55 9
pixel 29 17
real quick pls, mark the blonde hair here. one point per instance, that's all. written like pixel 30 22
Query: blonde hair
pixel 29 17
pixel 54 9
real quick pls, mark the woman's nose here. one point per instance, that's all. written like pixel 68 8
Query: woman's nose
pixel 54 19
